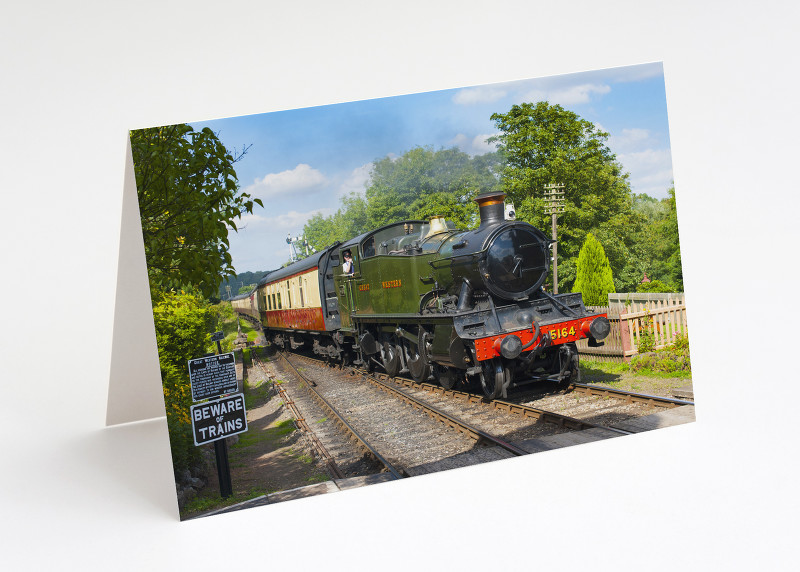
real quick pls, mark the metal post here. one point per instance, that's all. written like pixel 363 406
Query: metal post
pixel 223 468
pixel 221 454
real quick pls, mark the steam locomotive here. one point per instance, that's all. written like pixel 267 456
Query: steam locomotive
pixel 426 299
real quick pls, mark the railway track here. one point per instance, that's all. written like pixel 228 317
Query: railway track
pixel 342 450
pixel 406 437
pixel 432 398
pixel 628 396
pixel 494 428
pixel 527 410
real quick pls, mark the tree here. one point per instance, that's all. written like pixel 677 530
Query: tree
pixel 420 184
pixel 349 221
pixel 594 278
pixel 188 200
pixel 182 323
pixel 543 144
pixel 423 183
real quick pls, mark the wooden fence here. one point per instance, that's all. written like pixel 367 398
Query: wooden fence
pixel 664 317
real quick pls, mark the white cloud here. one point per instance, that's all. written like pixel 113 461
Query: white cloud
pixel 567 95
pixel 356 181
pixel 650 171
pixel 302 178
pixel 291 221
pixel 476 145
pixel 630 140
pixel 482 94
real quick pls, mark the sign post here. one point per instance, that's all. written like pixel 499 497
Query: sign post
pixel 211 377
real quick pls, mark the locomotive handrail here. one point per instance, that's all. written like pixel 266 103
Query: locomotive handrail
pixel 478 254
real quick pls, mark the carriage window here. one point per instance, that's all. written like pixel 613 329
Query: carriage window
pixel 288 295
pixel 302 300
pixel 269 302
pixel 279 301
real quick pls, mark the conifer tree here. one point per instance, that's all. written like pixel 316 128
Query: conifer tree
pixel 594 279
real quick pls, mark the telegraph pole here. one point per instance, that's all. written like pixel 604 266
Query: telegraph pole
pixel 554 206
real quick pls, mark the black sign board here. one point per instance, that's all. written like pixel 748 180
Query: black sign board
pixel 217 336
pixel 218 419
pixel 212 376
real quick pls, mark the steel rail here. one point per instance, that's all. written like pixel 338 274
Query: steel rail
pixel 341 420
pixel 629 396
pixel 300 423
pixel 446 418
pixel 515 408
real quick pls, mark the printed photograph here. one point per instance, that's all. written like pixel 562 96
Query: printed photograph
pixel 362 292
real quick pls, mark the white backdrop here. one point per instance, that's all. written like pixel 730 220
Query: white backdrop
pixel 75 78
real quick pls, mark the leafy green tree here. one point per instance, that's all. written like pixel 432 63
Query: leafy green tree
pixel 418 185
pixel 653 286
pixel 667 251
pixel 423 183
pixel 188 200
pixel 544 144
pixel 182 322
pixel 594 278
pixel 656 251
pixel 349 221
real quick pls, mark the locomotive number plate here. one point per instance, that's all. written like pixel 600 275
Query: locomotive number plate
pixel 559 333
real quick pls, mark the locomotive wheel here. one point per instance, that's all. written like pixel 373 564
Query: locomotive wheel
pixel 417 360
pixel 495 379
pixel 448 377
pixel 366 362
pixel 419 370
pixel 391 359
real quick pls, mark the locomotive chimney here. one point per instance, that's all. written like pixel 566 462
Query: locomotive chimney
pixel 492 208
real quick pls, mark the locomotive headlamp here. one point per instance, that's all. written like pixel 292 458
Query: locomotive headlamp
pixel 509 347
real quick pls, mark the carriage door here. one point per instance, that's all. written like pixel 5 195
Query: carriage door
pixel 330 299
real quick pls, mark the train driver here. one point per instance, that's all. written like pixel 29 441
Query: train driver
pixel 347 267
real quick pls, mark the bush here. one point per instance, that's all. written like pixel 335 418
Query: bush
pixel 674 358
pixel 182 323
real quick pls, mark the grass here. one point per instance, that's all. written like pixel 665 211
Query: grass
pixel 276 433
pixel 607 372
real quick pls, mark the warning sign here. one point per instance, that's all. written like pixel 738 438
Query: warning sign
pixel 218 419
pixel 212 376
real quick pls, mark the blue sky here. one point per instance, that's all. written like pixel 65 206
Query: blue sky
pixel 303 161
